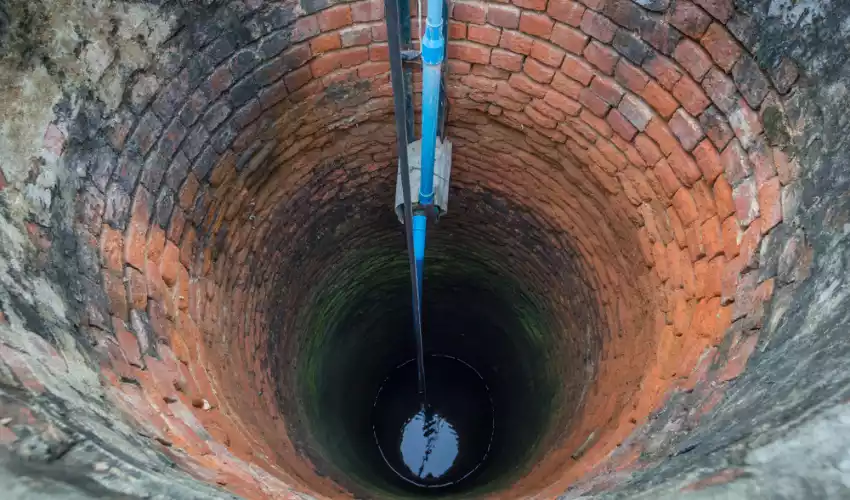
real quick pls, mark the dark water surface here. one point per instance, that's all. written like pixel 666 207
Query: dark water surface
pixel 446 439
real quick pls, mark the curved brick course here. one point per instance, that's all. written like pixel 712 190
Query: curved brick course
pixel 634 160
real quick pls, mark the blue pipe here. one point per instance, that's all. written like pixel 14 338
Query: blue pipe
pixel 420 223
pixel 433 52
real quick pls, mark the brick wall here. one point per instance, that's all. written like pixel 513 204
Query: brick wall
pixel 641 139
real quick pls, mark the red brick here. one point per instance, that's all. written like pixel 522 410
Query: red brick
pixel 479 83
pixel 569 38
pixel 506 60
pixel 684 166
pixel 620 125
pixel 335 17
pixel 659 99
pixel 662 69
pixel 540 119
pixel 325 43
pixel 604 58
pixel 523 83
pixel 708 160
pixel 593 102
pixel 713 237
pixel 471 12
pixel 597 123
pixel 669 182
pixel 685 206
pixel 660 133
pixel 689 19
pixel 691 96
pixel 504 16
pixel 537 71
pixel 566 11
pixel 469 52
pixel 536 24
pixel 379 52
pixel 721 46
pixel 515 42
pixel 746 201
pixel 371 69
pixel 693 58
pixel 367 10
pixel 562 102
pixel 686 128
pixel 769 194
pixel 607 89
pixel 566 86
pixel 339 59
pixel 723 197
pixel 696 251
pixel 704 199
pixel 547 53
pixel 379 32
pixel 577 69
pixel 485 34
pixel 721 9
pixel 530 4
pixel 457 31
pixel 648 149
pixel 598 26
pixel 632 77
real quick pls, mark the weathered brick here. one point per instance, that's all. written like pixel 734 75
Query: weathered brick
pixel 268 47
pixel 745 123
pixel 305 28
pixel 525 84
pixel 721 9
pixel 601 56
pixel 647 148
pixel 503 16
pixel 658 130
pixel 784 75
pixel 530 4
pixel 770 205
pixel 689 19
pixel 663 70
pixel 536 23
pixel 721 90
pixel 693 58
pixel 135 240
pixel 750 80
pixel 515 42
pixel 721 46
pixel 154 169
pixel 244 90
pixel 630 46
pixel 562 102
pixel 566 11
pixel 684 167
pixel 163 207
pixel 216 114
pixel 298 79
pixel 716 128
pixel 667 178
pixel 142 91
pixel 218 82
pixel 736 164
pixel 598 26
pixel 657 32
pixel 708 160
pixel 367 10
pixel 569 38
pixel 636 111
pixel 177 171
pixel 723 197
pixel 746 201
pixel 686 128
pixel 205 162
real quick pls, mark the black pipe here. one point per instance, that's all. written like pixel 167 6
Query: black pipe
pixel 397 76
